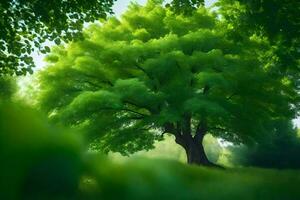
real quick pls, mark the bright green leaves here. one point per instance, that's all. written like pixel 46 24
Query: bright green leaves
pixel 213 60
pixel 166 67
pixel 127 140
pixel 89 102
pixel 150 18
pixel 142 34
pixel 132 77
pixel 134 90
pixel 202 40
pixel 201 18
pixel 211 79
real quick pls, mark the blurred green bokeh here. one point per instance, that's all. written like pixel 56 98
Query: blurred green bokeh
pixel 8 87
pixel 161 179
pixel 39 161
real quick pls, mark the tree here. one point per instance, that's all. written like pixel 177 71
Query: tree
pixel 272 17
pixel 26 25
pixel 154 72
pixel 278 150
pixel 278 20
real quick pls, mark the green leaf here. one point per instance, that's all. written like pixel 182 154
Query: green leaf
pixel 47 49
pixel 57 41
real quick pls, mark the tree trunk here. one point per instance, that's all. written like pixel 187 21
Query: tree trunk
pixel 195 150
pixel 195 153
pixel 193 145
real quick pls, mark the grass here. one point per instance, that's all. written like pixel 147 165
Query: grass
pixel 41 162
pixel 159 179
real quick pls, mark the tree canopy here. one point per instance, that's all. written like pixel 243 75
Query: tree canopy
pixel 26 24
pixel 278 20
pixel 154 72
pixel 274 17
pixel 185 6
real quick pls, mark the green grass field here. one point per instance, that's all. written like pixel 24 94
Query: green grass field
pixel 161 179
pixel 41 162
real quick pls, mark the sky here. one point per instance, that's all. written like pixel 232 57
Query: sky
pixel 121 5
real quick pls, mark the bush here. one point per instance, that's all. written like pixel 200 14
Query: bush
pixel 37 161
pixel 279 150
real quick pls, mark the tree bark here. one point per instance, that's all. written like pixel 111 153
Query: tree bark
pixel 195 153
pixel 194 149
pixel 193 145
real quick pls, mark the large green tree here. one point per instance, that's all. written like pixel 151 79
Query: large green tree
pixel 154 72
pixel 278 22
pixel 26 24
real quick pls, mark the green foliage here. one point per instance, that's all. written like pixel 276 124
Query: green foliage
pixel 38 161
pixel 131 80
pixel 185 6
pixel 278 23
pixel 274 17
pixel 277 20
pixel 8 87
pixel 155 179
pixel 26 24
pixel 278 150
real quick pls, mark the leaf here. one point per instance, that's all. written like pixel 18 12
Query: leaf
pixel 57 41
pixel 47 49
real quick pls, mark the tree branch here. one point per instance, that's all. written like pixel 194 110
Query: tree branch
pixel 186 127
pixel 125 109
pixel 135 117
pixel 108 82
pixel 92 84
pixel 228 98
pixel 169 128
pixel 143 70
pixel 200 130
pixel 133 111
pixel 217 128
pixel 136 105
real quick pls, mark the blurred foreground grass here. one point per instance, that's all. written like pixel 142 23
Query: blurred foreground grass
pixel 161 179
pixel 39 161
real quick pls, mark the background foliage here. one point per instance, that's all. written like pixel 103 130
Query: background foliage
pixel 26 24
